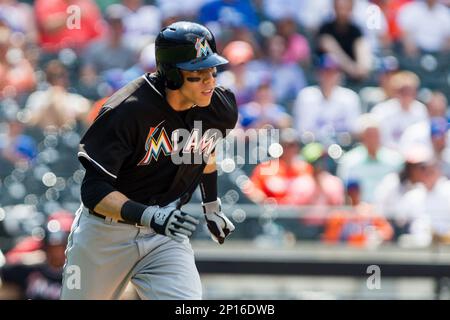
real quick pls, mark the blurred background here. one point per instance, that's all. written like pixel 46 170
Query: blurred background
pixel 359 204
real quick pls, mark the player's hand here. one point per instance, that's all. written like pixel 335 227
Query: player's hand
pixel 218 224
pixel 170 221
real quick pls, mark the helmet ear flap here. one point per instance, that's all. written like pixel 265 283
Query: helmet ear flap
pixel 174 78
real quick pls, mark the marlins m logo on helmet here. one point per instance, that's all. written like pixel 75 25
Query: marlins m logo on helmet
pixel 202 47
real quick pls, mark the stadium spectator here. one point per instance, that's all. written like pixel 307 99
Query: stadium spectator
pixel 316 194
pixel 112 52
pixel 360 225
pixel 113 80
pixel 39 280
pixel 368 162
pixel 394 186
pixel 390 9
pixel 428 208
pixel 297 47
pixel 437 105
pixel 273 179
pixel 352 192
pixel 373 95
pixel 308 14
pixel 229 13
pixel 440 144
pixel 425 27
pixel 422 132
pixel 179 10
pixel 16 72
pixel 397 114
pixel 263 111
pixel 372 22
pixel 238 77
pixel 19 17
pixel 16 147
pixel 287 79
pixel 328 110
pixel 141 23
pixel 146 63
pixel 321 189
pixel 433 133
pixel 103 4
pixel 116 79
pixel 344 40
pixel 67 23
pixel 55 106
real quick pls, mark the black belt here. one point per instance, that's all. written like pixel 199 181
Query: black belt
pixel 119 221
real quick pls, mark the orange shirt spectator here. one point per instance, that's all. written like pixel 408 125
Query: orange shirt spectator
pixel 273 179
pixel 390 9
pixel 277 186
pixel 59 26
pixel 319 189
pixel 357 228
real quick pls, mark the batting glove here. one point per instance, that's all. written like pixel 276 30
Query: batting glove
pixel 170 221
pixel 218 224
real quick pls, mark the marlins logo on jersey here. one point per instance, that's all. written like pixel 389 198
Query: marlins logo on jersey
pixel 154 146
pixel 194 142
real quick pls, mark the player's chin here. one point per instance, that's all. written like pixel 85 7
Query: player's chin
pixel 203 101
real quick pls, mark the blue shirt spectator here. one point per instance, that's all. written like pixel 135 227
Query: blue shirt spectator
pixel 229 12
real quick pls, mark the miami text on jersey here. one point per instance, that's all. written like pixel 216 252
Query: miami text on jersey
pixel 191 142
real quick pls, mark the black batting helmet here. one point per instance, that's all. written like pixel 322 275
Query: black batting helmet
pixel 185 45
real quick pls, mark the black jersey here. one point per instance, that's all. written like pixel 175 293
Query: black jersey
pixel 137 132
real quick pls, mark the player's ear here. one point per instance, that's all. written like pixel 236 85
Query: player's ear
pixel 174 78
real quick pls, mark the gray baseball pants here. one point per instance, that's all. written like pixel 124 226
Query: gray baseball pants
pixel 103 256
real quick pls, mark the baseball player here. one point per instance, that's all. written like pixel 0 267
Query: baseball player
pixel 130 226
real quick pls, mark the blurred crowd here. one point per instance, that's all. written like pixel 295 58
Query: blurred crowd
pixel 358 89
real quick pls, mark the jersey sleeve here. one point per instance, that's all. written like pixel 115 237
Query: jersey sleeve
pixel 110 140
pixel 225 108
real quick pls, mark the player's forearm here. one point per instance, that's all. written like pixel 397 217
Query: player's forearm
pixel 100 196
pixel 208 186
pixel 111 205
pixel 208 182
pixel 211 165
pixel 99 193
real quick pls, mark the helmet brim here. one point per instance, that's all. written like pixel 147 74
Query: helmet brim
pixel 210 61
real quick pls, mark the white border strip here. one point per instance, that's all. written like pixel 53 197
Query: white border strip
pixel 85 155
